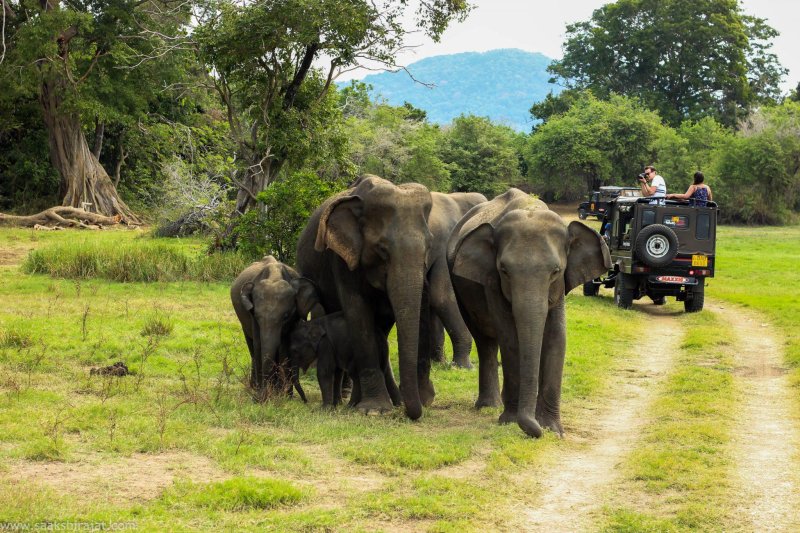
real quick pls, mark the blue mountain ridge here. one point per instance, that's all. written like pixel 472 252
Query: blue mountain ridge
pixel 501 84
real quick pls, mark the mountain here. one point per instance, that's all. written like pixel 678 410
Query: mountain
pixel 501 84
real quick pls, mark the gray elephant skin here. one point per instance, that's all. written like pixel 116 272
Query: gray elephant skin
pixel 511 262
pixel 368 250
pixel 446 211
pixel 269 297
pixel 326 341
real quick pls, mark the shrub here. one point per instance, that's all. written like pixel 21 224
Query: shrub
pixel 288 204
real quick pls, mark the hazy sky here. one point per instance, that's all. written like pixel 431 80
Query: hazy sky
pixel 538 26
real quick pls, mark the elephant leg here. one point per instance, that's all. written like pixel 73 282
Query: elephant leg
pixel 506 331
pixel 437 339
pixel 426 390
pixel 327 387
pixel 488 380
pixel 548 402
pixel 444 305
pixel 370 344
pixel 337 386
pixel 255 363
pixel 391 384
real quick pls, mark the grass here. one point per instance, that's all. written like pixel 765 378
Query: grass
pixel 456 468
pixel 757 268
pixel 150 261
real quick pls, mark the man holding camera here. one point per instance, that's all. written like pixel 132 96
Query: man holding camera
pixel 656 188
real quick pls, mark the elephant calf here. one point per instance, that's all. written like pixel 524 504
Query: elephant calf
pixel 269 297
pixel 326 340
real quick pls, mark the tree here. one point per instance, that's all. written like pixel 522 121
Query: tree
pixel 684 59
pixel 594 143
pixel 77 59
pixel 265 59
pixel 395 143
pixel 481 156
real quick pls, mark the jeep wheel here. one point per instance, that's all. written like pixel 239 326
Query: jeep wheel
pixel 695 299
pixel 582 214
pixel 623 296
pixel 590 288
pixel 656 245
pixel 659 300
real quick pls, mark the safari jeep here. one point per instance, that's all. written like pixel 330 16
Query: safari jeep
pixel 598 202
pixel 660 250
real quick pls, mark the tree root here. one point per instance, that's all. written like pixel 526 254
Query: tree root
pixel 61 216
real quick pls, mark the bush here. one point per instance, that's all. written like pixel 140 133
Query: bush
pixel 141 261
pixel 288 204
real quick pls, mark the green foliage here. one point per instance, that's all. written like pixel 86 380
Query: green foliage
pixel 594 143
pixel 288 203
pixel 268 61
pixel 685 60
pixel 395 143
pixel 481 156
pixel 759 178
pixel 127 262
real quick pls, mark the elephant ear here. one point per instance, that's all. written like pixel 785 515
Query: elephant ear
pixel 247 295
pixel 475 255
pixel 587 258
pixel 306 296
pixel 339 229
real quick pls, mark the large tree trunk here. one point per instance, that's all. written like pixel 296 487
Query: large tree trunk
pixel 83 179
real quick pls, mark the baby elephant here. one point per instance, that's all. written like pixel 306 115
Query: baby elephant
pixel 325 340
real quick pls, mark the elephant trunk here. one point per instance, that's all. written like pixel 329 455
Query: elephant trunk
pixel 530 313
pixel 266 345
pixel 405 293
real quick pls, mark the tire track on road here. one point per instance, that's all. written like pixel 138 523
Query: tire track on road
pixel 767 447
pixel 572 492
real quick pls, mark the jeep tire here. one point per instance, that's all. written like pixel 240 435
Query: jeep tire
pixel 590 288
pixel 696 298
pixel 656 245
pixel 582 214
pixel 623 295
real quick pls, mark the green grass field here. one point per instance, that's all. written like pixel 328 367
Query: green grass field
pixel 180 445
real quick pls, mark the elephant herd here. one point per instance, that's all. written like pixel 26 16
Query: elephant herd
pixel 380 255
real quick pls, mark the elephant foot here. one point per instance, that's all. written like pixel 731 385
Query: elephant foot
pixel 530 426
pixel 374 406
pixel 551 422
pixel 508 416
pixel 462 362
pixel 488 400
pixel 426 392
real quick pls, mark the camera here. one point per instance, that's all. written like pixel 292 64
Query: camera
pixel 641 176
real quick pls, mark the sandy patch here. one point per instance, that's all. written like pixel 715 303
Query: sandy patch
pixel 123 480
pixel 767 439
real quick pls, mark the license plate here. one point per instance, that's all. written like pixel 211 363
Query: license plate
pixel 672 279
pixel 699 261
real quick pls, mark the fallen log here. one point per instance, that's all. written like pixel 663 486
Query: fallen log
pixel 61 216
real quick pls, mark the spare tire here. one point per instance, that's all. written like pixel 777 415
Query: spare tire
pixel 656 245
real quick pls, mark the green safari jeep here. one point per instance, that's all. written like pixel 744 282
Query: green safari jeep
pixel 658 248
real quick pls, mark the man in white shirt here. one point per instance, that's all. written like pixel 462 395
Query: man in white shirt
pixel 657 188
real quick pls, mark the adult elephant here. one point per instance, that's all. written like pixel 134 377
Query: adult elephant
pixel 269 297
pixel 512 261
pixel 368 250
pixel 446 211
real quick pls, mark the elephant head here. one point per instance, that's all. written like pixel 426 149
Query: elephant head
pixel 527 259
pixel 269 298
pixel 380 231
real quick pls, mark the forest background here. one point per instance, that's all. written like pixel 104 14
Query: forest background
pixel 223 118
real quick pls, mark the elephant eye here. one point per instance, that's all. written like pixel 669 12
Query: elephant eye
pixel 556 270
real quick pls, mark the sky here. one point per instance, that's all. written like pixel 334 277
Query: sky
pixel 539 26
